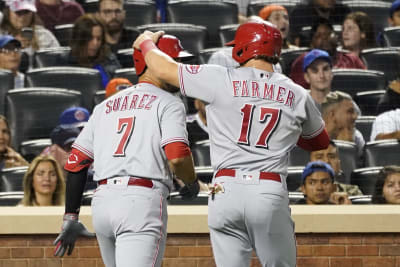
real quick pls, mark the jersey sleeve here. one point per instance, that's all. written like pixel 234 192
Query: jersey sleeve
pixel 201 81
pixel 84 141
pixel 173 124
pixel 314 124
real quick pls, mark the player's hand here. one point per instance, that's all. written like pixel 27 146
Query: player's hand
pixel 71 229
pixel 190 191
pixel 340 198
pixel 147 35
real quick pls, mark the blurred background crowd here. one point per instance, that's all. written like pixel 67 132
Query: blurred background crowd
pixel 59 58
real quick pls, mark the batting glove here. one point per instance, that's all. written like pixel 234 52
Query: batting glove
pixel 71 229
pixel 190 191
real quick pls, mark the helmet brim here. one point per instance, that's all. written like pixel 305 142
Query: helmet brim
pixel 231 43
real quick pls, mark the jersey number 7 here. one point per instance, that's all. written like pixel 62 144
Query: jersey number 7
pixel 268 116
pixel 125 127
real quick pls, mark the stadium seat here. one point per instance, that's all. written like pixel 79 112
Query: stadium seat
pixel 11 179
pixel 34 112
pixel 99 96
pixel 140 12
pixel 298 157
pixel 386 60
pixel 87 198
pixel 255 6
pixel 288 56
pixel 368 101
pixel 193 37
pixel 294 197
pixel 218 13
pixel 32 148
pixel 348 157
pixel 382 153
pixel 205 54
pixel 6 83
pixel 125 57
pixel 353 81
pixel 201 153
pixel 227 33
pixel 85 80
pixel 175 199
pixel 391 36
pixel 47 57
pixel 293 179
pixel 365 178
pixel 90 6
pixel 361 200
pixel 10 198
pixel 204 173
pixel 127 73
pixel 63 33
pixel 364 125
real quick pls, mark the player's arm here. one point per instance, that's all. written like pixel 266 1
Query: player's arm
pixel 162 65
pixel 319 142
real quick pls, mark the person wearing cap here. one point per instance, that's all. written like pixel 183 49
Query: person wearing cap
pixel 278 15
pixel 318 185
pixel 116 85
pixel 10 58
pixel 317 68
pixel 394 19
pixel 20 21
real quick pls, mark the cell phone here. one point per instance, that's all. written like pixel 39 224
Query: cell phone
pixel 27 33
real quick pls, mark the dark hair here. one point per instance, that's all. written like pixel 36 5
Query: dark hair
pixel 121 2
pixel 366 26
pixel 377 197
pixel 320 21
pixel 272 60
pixel 81 35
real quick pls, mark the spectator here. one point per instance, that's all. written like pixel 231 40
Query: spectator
pixel 308 14
pixel 58 12
pixel 21 21
pixel 394 19
pixel 197 123
pixel 116 85
pixel 318 185
pixel 339 114
pixel 278 16
pixel 10 58
pixel 387 187
pixel 358 33
pixel 331 156
pixel 112 13
pixel 89 48
pixel 8 156
pixel 43 183
pixel 386 126
pixel 391 99
pixel 317 68
pixel 324 38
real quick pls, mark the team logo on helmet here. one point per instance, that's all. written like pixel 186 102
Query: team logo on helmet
pixel 79 115
pixel 193 69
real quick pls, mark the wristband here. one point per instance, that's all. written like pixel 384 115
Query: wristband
pixel 146 46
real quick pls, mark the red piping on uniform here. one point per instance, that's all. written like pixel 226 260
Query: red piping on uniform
pixel 161 234
pixel 146 82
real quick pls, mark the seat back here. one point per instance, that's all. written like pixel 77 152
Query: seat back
pixel 255 6
pixel 227 33
pixel 90 6
pixel 10 198
pixel 32 148
pixel 366 179
pixel 63 33
pixel 288 56
pixel 125 57
pixel 85 80
pixel 201 153
pixel 218 13
pixel 176 199
pixel 99 96
pixel 391 36
pixel 34 112
pixel 47 57
pixel 298 157
pixel 348 158
pixel 364 125
pixel 11 179
pixel 353 81
pixel 293 179
pixel 204 173
pixel 127 73
pixel 6 83
pixel 368 101
pixel 361 200
pixel 193 37
pixel 382 153
pixel 386 60
pixel 140 12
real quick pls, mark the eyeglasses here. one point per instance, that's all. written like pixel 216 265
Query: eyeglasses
pixel 10 50
pixel 109 12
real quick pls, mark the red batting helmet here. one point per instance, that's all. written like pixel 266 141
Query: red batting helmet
pixel 255 39
pixel 169 44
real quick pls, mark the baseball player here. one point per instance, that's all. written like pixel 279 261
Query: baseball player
pixel 136 139
pixel 255 117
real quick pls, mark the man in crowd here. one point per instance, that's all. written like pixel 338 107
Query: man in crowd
pixel 10 58
pixel 386 126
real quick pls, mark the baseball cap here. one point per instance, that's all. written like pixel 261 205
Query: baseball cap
pixel 116 85
pixel 74 117
pixel 395 6
pixel 314 55
pixel 266 11
pixel 63 136
pixel 317 166
pixel 18 5
pixel 6 39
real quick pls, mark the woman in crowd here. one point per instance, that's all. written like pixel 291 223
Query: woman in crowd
pixel 358 33
pixel 387 187
pixel 8 156
pixel 43 183
pixel 89 49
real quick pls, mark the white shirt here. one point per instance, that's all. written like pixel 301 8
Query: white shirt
pixel 385 123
